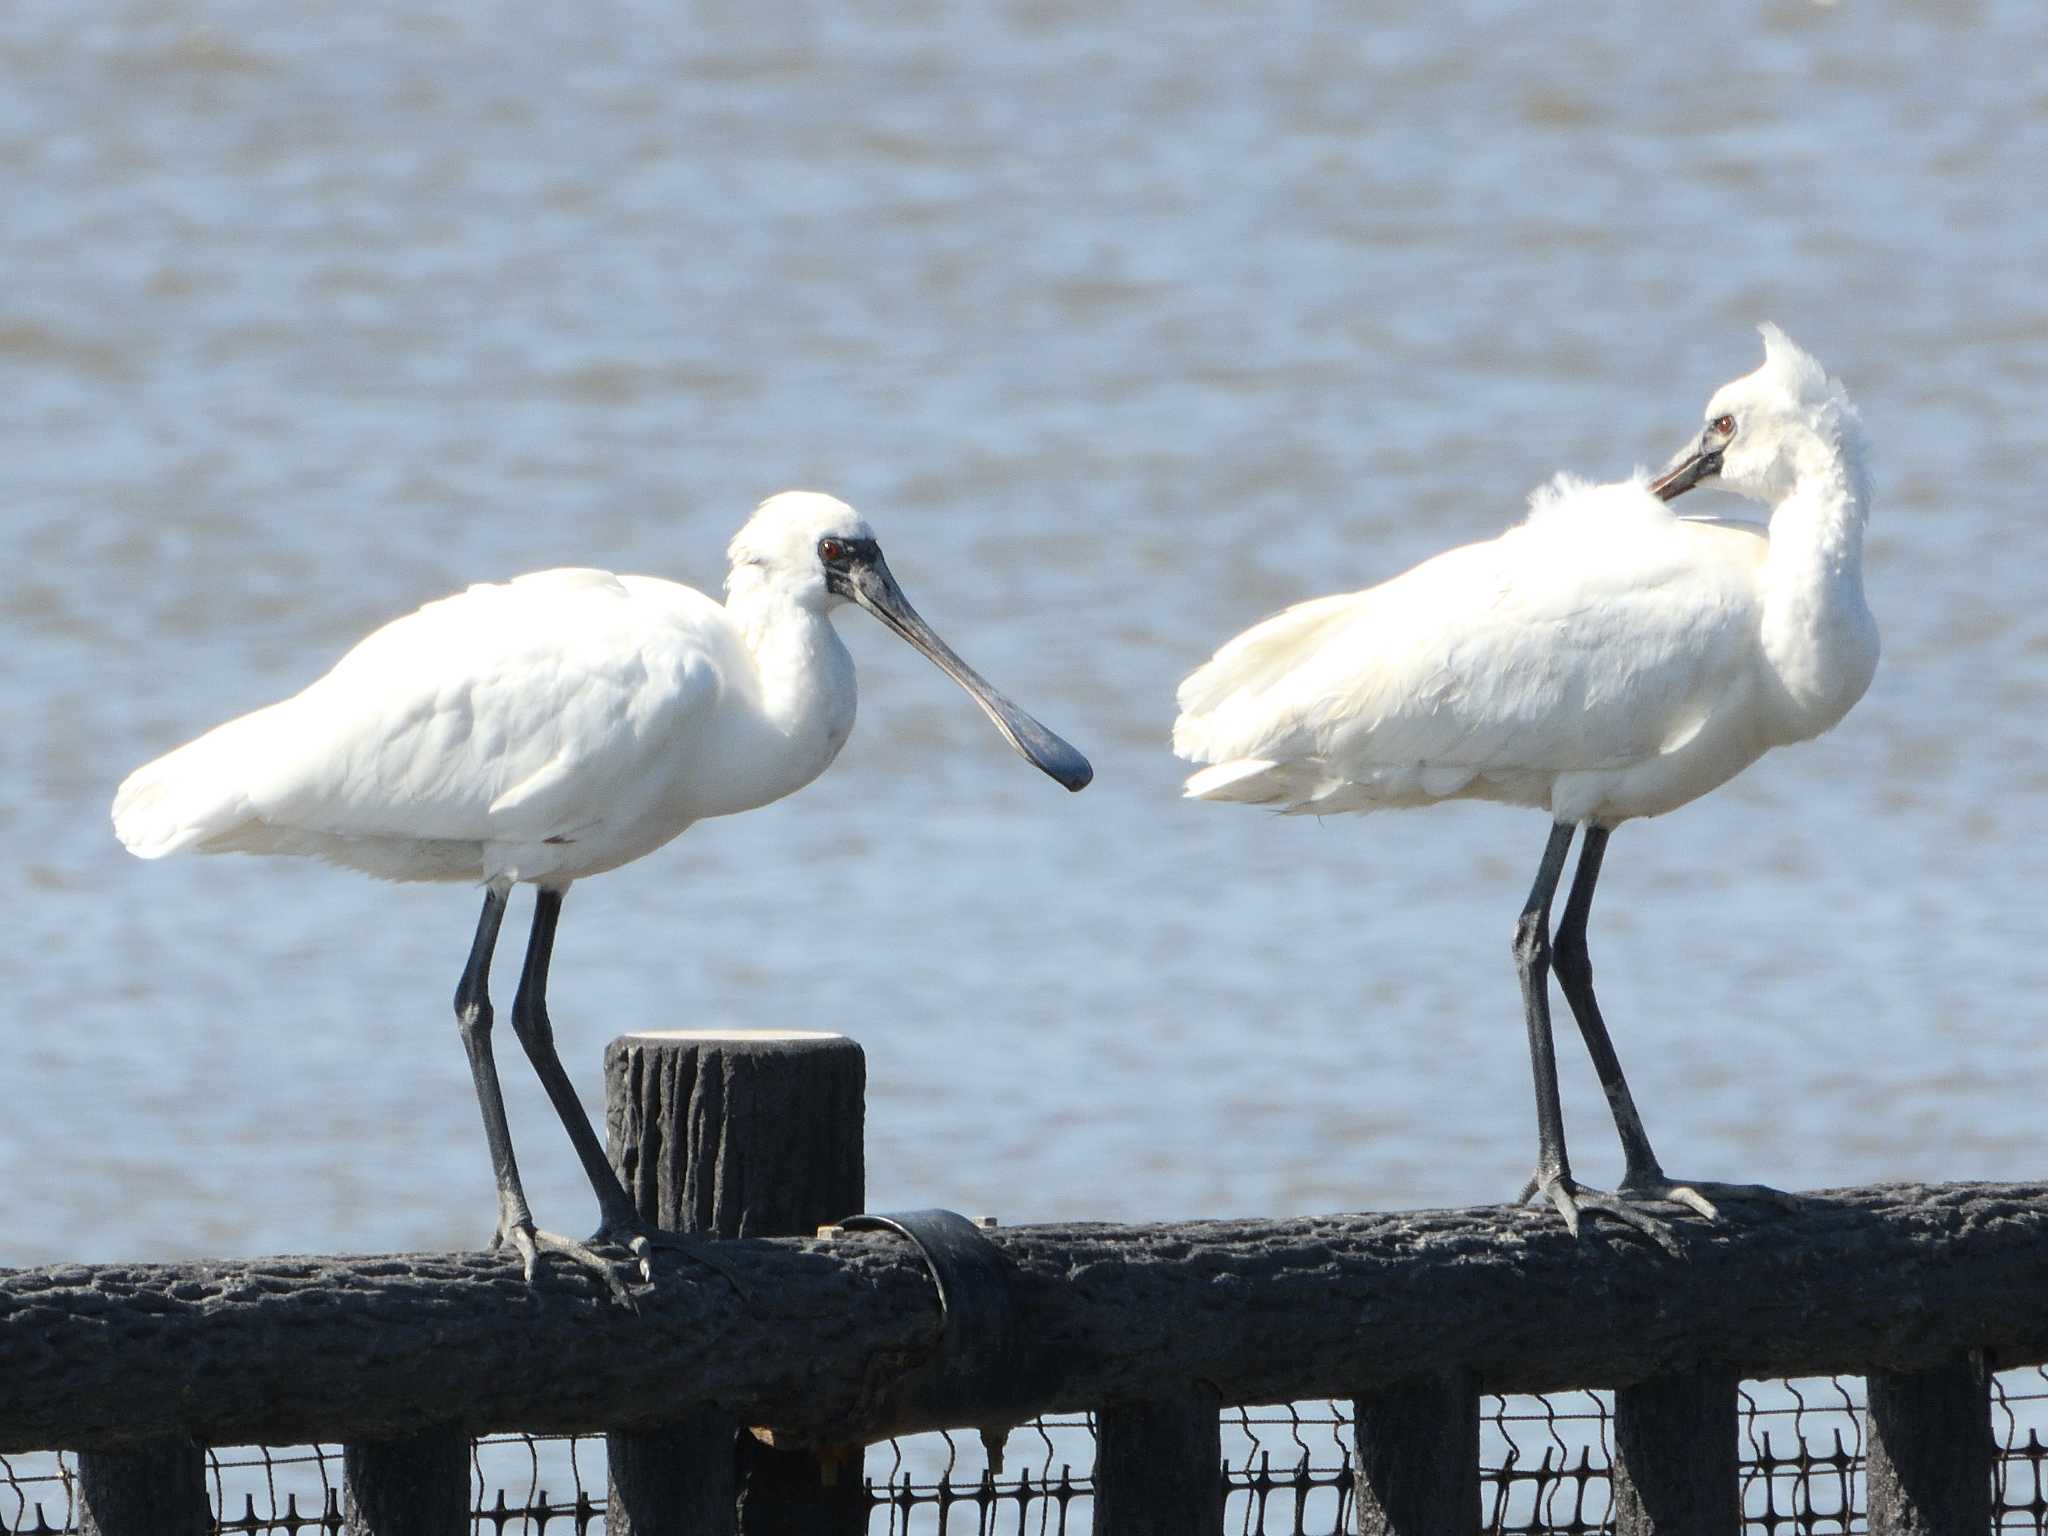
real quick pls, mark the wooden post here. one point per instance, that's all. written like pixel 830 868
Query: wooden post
pixel 1159 1466
pixel 1418 1458
pixel 1929 1469
pixel 157 1488
pixel 417 1485
pixel 734 1133
pixel 1675 1466
pixel 674 1480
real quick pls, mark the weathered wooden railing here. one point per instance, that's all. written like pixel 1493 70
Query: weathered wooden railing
pixel 819 1344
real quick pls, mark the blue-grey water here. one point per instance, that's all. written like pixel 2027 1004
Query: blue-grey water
pixel 1125 324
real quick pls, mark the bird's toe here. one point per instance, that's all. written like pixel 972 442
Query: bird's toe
pixel 1560 1191
pixel 1623 1211
pixel 1703 1196
pixel 642 1242
pixel 530 1243
pixel 520 1241
pixel 1574 1201
pixel 1693 1200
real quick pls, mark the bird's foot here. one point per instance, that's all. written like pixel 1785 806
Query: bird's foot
pixel 1700 1195
pixel 529 1242
pixel 641 1241
pixel 625 1234
pixel 1572 1200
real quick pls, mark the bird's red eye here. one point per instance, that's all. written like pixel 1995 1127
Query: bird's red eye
pixel 830 550
pixel 1724 425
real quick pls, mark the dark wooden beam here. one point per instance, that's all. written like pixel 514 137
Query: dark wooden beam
pixel 813 1337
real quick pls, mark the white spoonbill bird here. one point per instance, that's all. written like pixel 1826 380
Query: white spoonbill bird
pixel 550 727
pixel 1604 659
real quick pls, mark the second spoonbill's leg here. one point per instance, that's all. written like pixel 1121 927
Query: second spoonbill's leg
pixel 1645 1178
pixel 1553 1175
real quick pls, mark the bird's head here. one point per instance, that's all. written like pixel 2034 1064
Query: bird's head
pixel 795 541
pixel 818 552
pixel 1767 428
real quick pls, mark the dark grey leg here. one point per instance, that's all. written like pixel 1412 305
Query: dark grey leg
pixel 473 1014
pixel 618 1219
pixel 1553 1175
pixel 473 1019
pixel 1645 1178
pixel 530 1022
pixel 1532 965
pixel 1575 978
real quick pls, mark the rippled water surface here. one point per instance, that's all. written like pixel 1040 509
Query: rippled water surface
pixel 1125 324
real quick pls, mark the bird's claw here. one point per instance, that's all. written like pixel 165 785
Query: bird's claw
pixel 529 1242
pixel 1571 1199
pixel 642 1241
pixel 634 1241
pixel 639 1242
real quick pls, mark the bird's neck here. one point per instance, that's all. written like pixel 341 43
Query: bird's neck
pixel 1817 628
pixel 802 669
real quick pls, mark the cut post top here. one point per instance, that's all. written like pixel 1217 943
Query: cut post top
pixel 749 1036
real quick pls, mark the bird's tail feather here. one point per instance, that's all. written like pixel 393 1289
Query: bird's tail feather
pixel 189 797
pixel 1307 787
pixel 1242 781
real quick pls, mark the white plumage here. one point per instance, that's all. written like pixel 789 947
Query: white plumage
pixel 1552 666
pixel 545 728
pixel 1604 659
pixel 551 727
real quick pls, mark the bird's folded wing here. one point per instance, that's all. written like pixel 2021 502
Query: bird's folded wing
pixel 1508 655
pixel 505 713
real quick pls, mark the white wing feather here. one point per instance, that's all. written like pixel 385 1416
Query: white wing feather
pixel 1597 634
pixel 466 721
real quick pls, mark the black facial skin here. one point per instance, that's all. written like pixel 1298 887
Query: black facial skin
pixel 839 567
pixel 1696 464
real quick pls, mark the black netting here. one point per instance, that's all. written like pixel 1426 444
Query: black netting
pixel 1543 1469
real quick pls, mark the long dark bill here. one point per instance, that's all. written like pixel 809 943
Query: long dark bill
pixel 875 589
pixel 1692 465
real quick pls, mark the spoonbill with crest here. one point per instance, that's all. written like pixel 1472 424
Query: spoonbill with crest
pixel 1603 660
pixel 550 727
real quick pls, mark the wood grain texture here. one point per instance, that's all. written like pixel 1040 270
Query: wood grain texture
pixel 1676 1471
pixel 1930 1450
pixel 733 1134
pixel 1159 1465
pixel 411 1485
pixel 739 1135
pixel 155 1488
pixel 680 1480
pixel 1416 1452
